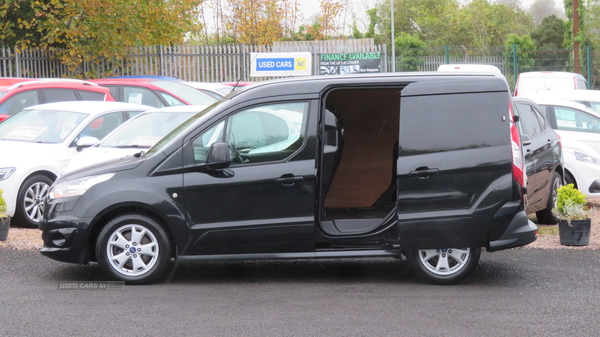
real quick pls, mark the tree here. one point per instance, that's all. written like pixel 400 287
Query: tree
pixel 20 19
pixel 490 25
pixel 94 29
pixel 525 52
pixel 482 24
pixel 410 52
pixel 581 38
pixel 549 37
pixel 260 22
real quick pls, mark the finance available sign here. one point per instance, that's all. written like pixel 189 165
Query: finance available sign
pixel 281 64
pixel 349 63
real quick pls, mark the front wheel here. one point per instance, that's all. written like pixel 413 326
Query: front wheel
pixel 445 265
pixel 30 201
pixel 133 248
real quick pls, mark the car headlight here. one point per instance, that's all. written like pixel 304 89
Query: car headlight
pixel 77 186
pixel 5 172
pixel 584 157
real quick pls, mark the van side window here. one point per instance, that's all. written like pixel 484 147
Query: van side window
pixel 202 144
pixel 574 120
pixel 259 134
pixel 267 133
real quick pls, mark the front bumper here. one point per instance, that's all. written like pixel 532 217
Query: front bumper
pixel 520 232
pixel 65 238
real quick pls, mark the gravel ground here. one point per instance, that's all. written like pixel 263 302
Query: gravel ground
pixel 30 239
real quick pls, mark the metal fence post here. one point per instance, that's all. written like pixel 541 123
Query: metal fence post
pixel 161 60
pixel 17 64
pixel 589 66
pixel 515 64
pixel 447 54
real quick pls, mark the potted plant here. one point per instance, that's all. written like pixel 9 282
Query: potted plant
pixel 573 215
pixel 4 219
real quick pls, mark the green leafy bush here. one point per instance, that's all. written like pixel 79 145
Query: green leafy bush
pixel 570 204
pixel 2 205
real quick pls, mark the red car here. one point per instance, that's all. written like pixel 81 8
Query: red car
pixel 157 93
pixel 19 93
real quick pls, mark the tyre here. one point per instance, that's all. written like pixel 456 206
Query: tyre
pixel 545 216
pixel 445 265
pixel 30 201
pixel 133 248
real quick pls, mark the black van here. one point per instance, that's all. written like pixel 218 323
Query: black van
pixel 427 166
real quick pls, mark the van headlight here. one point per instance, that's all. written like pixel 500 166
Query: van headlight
pixel 76 187
pixel 584 157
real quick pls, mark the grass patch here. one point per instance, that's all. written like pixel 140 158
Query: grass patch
pixel 547 230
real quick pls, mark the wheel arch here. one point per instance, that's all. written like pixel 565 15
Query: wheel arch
pixel 46 173
pixel 570 177
pixel 111 213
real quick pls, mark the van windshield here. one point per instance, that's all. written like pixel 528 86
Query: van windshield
pixel 175 132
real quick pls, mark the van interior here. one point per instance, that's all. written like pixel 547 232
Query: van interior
pixel 360 151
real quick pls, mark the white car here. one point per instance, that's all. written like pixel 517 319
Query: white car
pixel 571 120
pixel 138 134
pixel 39 141
pixel 589 98
pixel 582 167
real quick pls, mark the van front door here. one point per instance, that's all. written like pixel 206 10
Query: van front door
pixel 264 202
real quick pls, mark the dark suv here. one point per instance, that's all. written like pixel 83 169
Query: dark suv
pixel 543 160
pixel 423 165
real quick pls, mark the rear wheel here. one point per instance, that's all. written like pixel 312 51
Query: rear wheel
pixel 445 265
pixel 133 248
pixel 545 216
pixel 30 201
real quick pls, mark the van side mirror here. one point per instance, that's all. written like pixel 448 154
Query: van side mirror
pixel 218 157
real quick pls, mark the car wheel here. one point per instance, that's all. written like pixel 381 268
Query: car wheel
pixel 133 248
pixel 545 216
pixel 30 201
pixel 445 265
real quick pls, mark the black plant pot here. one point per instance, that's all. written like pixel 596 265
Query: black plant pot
pixel 575 232
pixel 4 226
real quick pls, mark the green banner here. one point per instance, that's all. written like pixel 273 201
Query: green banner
pixel 349 63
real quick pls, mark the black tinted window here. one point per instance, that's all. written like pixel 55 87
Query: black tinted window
pixel 59 95
pixel 452 122
pixel 91 95
pixel 529 120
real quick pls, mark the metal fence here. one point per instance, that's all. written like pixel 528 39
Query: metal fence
pixel 219 63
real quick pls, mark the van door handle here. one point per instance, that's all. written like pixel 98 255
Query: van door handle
pixel 423 172
pixel 286 180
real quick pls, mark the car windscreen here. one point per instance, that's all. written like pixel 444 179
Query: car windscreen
pixel 146 130
pixel 189 94
pixel 40 126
